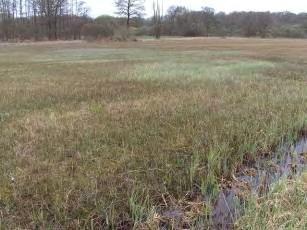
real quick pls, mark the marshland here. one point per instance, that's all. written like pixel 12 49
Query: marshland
pixel 127 135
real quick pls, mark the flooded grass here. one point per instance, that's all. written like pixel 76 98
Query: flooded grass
pixel 256 179
pixel 283 208
pixel 123 135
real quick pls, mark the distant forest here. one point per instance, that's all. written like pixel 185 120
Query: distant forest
pixel 69 20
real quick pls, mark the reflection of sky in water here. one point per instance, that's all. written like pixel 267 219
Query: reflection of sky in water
pixel 267 172
pixel 301 146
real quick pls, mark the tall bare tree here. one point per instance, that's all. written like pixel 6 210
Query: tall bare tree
pixel 130 9
pixel 208 19
pixel 157 18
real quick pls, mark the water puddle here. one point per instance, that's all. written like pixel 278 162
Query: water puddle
pixel 257 179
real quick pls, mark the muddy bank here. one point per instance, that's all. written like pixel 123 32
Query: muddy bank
pixel 257 179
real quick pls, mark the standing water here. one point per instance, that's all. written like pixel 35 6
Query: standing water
pixel 286 162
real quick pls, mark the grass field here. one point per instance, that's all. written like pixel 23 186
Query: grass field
pixel 108 135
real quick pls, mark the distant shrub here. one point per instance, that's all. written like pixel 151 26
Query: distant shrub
pixel 107 27
pixel 144 31
pixel 101 27
pixel 96 31
pixel 288 32
pixel 121 34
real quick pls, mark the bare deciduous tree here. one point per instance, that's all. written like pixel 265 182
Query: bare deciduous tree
pixel 208 19
pixel 157 18
pixel 130 9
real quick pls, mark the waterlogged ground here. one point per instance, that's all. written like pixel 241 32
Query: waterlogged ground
pixel 118 135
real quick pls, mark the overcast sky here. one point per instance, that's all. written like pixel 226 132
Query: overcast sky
pixel 99 7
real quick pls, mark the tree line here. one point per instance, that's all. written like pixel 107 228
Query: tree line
pixel 42 19
pixel 179 21
pixel 68 19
